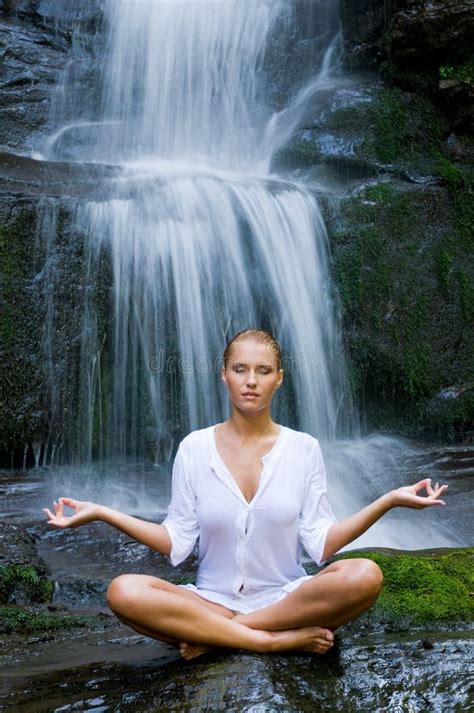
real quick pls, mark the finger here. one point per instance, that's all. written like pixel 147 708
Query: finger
pixel 427 502
pixel 421 484
pixel 429 488
pixel 69 502
pixel 49 513
pixel 60 509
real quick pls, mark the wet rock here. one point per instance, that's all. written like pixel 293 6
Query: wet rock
pixel 31 59
pixel 406 30
pixel 364 24
pixel 32 178
pixel 421 46
pixel 35 36
pixel 452 407
pixel 54 13
pixel 363 676
pixel 23 575
pixel 429 32
pixel 399 216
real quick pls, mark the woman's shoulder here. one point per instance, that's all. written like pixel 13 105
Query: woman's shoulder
pixel 197 439
pixel 300 439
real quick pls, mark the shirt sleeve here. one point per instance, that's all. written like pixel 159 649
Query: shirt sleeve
pixel 316 516
pixel 181 521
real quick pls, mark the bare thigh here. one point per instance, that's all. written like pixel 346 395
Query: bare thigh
pixel 157 583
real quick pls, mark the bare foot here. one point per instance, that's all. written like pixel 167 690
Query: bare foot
pixel 315 639
pixel 191 651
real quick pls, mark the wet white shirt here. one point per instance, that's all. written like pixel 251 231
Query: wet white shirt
pixel 249 553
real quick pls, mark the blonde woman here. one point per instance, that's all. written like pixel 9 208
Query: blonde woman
pixel 253 493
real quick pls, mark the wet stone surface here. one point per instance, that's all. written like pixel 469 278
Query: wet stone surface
pixel 97 664
pixel 422 671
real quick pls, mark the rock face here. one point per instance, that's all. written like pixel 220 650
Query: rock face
pixel 421 46
pixel 35 36
pixel 407 30
pixel 398 204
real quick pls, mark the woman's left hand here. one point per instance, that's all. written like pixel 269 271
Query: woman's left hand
pixel 408 496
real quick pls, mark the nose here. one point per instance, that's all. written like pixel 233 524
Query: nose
pixel 251 378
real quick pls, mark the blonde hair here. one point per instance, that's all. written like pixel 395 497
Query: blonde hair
pixel 255 335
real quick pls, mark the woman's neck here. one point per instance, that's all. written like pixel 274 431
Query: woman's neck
pixel 253 426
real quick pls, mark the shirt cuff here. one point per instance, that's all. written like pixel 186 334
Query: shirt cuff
pixel 181 545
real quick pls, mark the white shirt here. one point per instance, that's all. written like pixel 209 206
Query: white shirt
pixel 249 553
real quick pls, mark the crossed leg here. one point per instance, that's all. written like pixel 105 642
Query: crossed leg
pixel 303 620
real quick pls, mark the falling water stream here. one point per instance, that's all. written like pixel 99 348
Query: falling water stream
pixel 204 240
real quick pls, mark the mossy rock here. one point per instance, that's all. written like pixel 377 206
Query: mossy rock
pixel 24 584
pixel 43 291
pixel 23 574
pixel 401 258
pixel 19 620
pixel 424 588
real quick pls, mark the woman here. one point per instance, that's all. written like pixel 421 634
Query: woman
pixel 253 492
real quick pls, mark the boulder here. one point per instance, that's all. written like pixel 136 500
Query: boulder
pixel 23 575
pixel 421 46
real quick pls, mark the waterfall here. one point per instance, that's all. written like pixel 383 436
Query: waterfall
pixel 202 239
pixel 189 238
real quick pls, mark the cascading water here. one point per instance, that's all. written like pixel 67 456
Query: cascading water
pixel 203 242
pixel 202 239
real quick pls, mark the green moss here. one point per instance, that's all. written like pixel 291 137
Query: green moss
pixel 425 589
pixel 400 261
pixel 405 127
pixel 443 265
pixel 17 620
pixel 183 579
pixel 22 414
pixel 451 174
pixel 466 295
pixel 460 72
pixel 26 580
pixel 381 193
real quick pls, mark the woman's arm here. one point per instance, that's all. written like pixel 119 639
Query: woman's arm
pixel 148 533
pixel 342 533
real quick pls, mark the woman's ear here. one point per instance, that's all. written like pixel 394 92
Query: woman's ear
pixel 223 375
pixel 279 383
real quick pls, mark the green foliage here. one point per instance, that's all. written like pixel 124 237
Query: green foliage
pixel 381 193
pixel 452 175
pixel 17 620
pixel 26 579
pixel 463 73
pixel 424 589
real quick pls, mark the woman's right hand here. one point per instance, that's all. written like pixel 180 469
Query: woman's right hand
pixel 84 512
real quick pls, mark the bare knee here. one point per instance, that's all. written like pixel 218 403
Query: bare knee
pixel 364 577
pixel 123 593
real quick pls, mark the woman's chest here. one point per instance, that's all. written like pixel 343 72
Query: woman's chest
pixel 246 471
pixel 220 502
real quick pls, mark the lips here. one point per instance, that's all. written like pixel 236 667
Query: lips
pixel 250 395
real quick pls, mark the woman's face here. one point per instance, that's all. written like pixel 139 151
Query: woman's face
pixel 251 375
